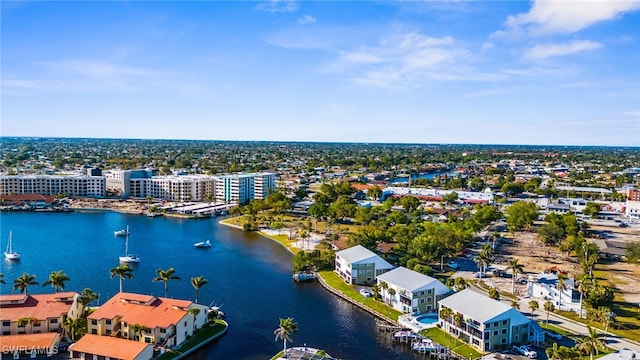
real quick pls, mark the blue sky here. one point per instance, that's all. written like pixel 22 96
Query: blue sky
pixel 510 72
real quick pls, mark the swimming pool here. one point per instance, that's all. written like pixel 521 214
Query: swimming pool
pixel 428 319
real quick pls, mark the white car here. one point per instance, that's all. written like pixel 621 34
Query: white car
pixel 366 293
pixel 526 351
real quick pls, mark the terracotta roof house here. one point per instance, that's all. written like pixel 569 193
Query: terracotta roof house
pixel 113 348
pixel 30 344
pixel 164 322
pixel 46 311
pixel 359 265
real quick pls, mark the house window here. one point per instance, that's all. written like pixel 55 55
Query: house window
pixel 517 338
pixel 422 292
pixel 6 323
pixel 504 322
pixel 163 330
pixel 108 331
pixel 495 332
pixel 421 301
pixel 53 321
pixel 429 299
pixel 147 339
pixel 94 322
pixel 495 323
pixel 108 322
pixel 503 341
pixel 504 331
pixel 185 323
pixel 488 325
pixel 94 331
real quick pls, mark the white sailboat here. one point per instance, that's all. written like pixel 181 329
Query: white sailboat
pixel 10 254
pixel 128 258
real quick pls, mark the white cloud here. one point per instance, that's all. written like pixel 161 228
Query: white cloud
pixel 306 20
pixel 569 48
pixel 566 17
pixel 277 6
pixel 402 60
pixel 101 69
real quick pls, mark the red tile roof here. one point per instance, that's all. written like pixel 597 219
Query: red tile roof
pixel 30 341
pixel 41 306
pixel 113 347
pixel 148 311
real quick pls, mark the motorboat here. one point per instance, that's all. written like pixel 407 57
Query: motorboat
pixel 406 335
pixel 123 232
pixel 203 244
pixel 304 276
pixel 9 253
pixel 424 345
pixel 128 258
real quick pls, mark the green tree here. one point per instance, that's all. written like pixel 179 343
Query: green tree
pixel 87 296
pixel 591 343
pixel 515 304
pixel 494 293
pixel 136 329
pixel 56 280
pixel 533 306
pixel 553 353
pixel 71 326
pixel 633 252
pixel 521 215
pixel 551 234
pixel 165 276
pixel 548 307
pixel 516 268
pixel 123 271
pixel 197 283
pixel 288 327
pixel 27 320
pixel 592 210
pixel 23 282
pixel 450 198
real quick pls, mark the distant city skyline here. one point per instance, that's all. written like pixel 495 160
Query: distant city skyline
pixel 483 72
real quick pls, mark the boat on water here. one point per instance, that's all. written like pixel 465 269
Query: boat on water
pixel 304 276
pixel 128 258
pixel 153 214
pixel 123 232
pixel 9 253
pixel 215 310
pixel 424 345
pixel 203 244
pixel 406 335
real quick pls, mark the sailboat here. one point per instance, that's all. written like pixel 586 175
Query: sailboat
pixel 128 258
pixel 9 254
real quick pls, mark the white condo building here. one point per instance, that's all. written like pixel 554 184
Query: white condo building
pixel 74 186
pixel 244 187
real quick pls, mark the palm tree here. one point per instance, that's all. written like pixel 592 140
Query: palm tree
pixel 515 304
pixel 23 282
pixel 391 293
pixel 533 306
pixel 516 268
pixel 194 311
pixel 285 331
pixel 197 283
pixel 384 286
pixel 606 316
pixel 460 283
pixel 27 320
pixel 56 280
pixel 376 291
pixel 584 285
pixel 123 271
pixel 87 296
pixel 553 353
pixel 70 325
pixel 458 319
pixel 136 329
pixel 592 342
pixel 165 276
pixel 548 306
pixel 561 286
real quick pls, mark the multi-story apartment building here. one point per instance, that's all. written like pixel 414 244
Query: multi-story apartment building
pixel 179 188
pixel 486 324
pixel 165 322
pixel 31 324
pixel 413 293
pixel 127 183
pixel 359 265
pixel 74 186
pixel 244 187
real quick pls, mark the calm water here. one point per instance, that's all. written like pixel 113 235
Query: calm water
pixel 248 275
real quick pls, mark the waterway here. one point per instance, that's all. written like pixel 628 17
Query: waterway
pixel 248 275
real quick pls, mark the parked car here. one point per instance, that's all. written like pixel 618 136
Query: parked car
pixel 479 275
pixel 366 293
pixel 553 334
pixel 526 351
pixel 499 272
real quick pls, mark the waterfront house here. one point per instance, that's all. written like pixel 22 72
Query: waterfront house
pixel 107 347
pixel 32 324
pixel 413 293
pixel 148 319
pixel 544 286
pixel 41 313
pixel 360 266
pixel 487 324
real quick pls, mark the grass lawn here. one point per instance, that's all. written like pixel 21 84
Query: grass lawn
pixel 559 330
pixel 337 283
pixel 457 346
pixel 198 338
